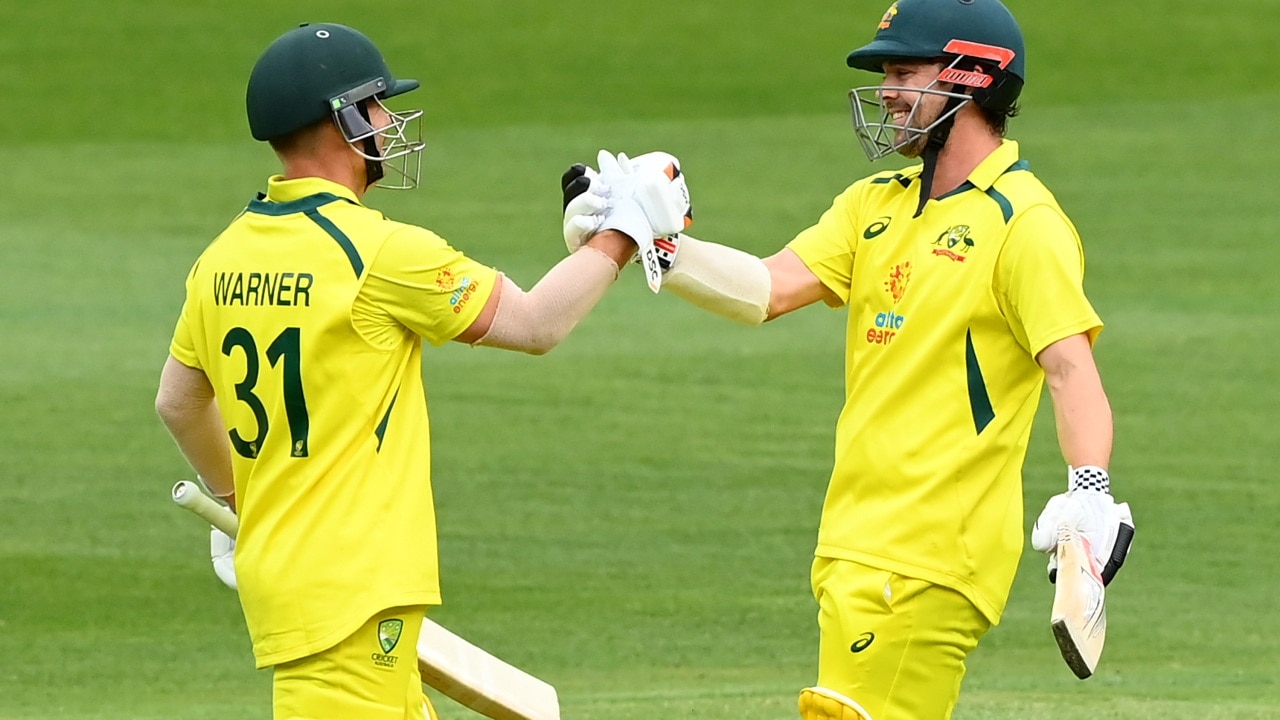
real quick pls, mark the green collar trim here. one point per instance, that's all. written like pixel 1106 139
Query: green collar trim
pixel 262 206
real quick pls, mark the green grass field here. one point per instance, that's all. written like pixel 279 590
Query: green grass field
pixel 640 541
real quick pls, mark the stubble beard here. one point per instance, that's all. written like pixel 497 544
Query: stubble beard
pixel 923 118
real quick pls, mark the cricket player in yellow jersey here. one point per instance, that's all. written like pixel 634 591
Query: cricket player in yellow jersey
pixel 294 385
pixel 963 283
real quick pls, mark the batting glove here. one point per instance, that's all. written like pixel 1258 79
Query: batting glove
pixel 584 205
pixel 222 549
pixel 654 181
pixel 1087 508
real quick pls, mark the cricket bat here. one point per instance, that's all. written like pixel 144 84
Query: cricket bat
pixel 461 671
pixel 1079 615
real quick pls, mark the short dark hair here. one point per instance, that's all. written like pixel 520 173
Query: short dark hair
pixel 998 119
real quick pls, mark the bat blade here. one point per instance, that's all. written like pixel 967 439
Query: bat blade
pixel 448 663
pixel 1079 615
pixel 480 681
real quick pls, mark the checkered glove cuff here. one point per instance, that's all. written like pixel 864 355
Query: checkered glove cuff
pixel 1089 477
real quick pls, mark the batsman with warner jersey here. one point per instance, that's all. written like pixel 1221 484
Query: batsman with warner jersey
pixel 962 280
pixel 294 382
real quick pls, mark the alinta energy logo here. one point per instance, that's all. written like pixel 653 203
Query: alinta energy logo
pixel 388 637
pixel 954 243
pixel 465 289
pixel 887 324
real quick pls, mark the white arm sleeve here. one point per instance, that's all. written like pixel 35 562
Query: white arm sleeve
pixel 722 280
pixel 536 321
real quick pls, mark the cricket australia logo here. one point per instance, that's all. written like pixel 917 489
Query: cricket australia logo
pixel 389 633
pixel 388 637
pixel 954 243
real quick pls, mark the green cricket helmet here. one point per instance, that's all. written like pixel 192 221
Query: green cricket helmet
pixel 322 70
pixel 980 42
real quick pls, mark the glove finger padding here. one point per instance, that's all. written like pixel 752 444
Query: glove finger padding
pixel 1044 534
pixel 612 166
pixel 584 205
pixel 573 183
pixel 582 219
pixel 1095 515
pixel 578 229
pixel 222 550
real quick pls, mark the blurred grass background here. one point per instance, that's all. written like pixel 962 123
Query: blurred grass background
pixel 632 517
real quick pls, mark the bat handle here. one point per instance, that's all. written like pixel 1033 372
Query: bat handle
pixel 189 495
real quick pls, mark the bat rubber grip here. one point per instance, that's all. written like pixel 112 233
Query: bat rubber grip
pixel 189 495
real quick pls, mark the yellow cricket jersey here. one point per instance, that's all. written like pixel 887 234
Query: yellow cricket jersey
pixel 307 314
pixel 947 313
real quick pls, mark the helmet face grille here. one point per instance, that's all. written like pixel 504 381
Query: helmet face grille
pixel 878 132
pixel 399 144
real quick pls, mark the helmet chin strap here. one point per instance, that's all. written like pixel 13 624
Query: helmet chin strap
pixel 937 138
pixel 373 171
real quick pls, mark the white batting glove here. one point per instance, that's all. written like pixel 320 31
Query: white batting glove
pixel 585 203
pixel 664 195
pixel 1087 508
pixel 660 187
pixel 623 177
pixel 654 181
pixel 222 550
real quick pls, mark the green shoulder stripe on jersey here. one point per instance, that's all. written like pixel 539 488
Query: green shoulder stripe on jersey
pixel 902 180
pixel 979 400
pixel 386 417
pixel 345 242
pixel 1006 207
pixel 309 206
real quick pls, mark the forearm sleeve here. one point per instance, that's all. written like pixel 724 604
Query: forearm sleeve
pixel 721 280
pixel 536 321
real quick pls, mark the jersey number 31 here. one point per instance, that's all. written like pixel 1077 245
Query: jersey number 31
pixel 285 352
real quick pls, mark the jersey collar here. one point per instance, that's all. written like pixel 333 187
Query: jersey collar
pixel 994 165
pixel 280 190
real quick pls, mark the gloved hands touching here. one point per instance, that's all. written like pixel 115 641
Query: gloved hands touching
pixel 1087 508
pixel 609 199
